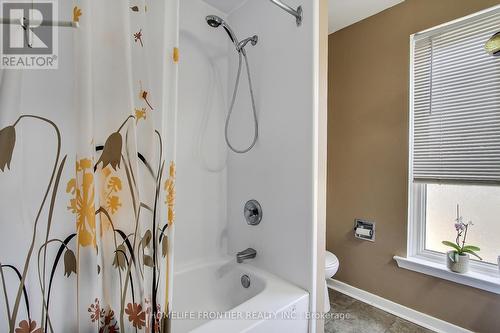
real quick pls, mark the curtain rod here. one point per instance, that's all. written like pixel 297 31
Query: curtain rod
pixel 23 21
pixel 295 12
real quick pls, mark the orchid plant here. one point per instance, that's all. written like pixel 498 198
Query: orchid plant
pixel 459 246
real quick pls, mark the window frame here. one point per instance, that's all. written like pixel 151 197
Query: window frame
pixel 417 255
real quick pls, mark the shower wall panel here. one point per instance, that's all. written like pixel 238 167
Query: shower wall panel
pixel 279 170
pixel 201 152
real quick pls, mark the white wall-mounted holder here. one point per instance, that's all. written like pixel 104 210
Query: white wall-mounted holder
pixel 364 230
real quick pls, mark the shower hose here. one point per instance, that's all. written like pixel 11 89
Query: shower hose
pixel 242 54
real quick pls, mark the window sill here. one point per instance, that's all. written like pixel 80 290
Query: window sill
pixel 473 279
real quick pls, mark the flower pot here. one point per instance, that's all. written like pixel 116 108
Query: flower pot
pixel 458 263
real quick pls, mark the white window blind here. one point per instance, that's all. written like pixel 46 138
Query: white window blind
pixel 456 103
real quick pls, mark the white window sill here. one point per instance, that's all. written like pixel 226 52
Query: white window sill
pixel 473 279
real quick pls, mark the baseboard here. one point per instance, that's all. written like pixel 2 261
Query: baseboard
pixel 396 309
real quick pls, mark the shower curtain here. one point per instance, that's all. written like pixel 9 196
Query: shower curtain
pixel 87 194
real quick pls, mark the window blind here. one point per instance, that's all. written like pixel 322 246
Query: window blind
pixel 456 103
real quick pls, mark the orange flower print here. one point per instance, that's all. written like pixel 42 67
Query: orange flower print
pixel 84 163
pixel 115 184
pixel 95 311
pixel 25 327
pixel 135 315
pixel 77 12
pixel 114 203
pixel 112 329
pixel 108 322
pixel 140 113
pixel 105 319
pixel 111 187
pixel 82 187
pixel 143 94
pixel 170 189
pixel 176 55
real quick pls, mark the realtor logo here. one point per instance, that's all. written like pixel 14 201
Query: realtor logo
pixel 29 40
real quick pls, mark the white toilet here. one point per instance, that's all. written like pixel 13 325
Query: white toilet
pixel 331 267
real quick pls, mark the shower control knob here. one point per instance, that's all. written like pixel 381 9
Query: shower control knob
pixel 253 212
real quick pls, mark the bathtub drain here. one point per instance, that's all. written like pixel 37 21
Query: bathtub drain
pixel 245 281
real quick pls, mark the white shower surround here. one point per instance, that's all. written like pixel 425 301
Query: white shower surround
pixel 279 171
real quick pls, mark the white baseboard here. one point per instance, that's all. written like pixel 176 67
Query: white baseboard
pixel 396 309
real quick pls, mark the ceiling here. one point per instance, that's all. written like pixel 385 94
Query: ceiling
pixel 342 13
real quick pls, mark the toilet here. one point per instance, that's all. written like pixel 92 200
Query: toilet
pixel 331 267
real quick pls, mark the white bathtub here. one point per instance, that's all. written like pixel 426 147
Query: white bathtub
pixel 210 298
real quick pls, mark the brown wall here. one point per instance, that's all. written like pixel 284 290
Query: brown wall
pixel 368 162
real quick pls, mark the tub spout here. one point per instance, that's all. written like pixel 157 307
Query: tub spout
pixel 245 254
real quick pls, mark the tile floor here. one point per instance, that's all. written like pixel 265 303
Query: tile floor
pixel 352 316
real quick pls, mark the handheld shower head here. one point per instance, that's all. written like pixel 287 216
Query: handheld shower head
pixel 215 21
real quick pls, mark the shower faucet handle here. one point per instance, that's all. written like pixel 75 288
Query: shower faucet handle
pixel 252 212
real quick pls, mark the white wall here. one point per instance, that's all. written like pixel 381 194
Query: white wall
pixel 278 172
pixel 201 151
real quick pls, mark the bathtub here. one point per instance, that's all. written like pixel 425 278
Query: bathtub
pixel 211 298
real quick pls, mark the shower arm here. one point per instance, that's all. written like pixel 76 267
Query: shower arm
pixel 295 12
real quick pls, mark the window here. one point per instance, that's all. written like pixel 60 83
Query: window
pixel 455 140
pixel 480 204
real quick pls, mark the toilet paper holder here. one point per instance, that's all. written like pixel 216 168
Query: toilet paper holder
pixel 364 230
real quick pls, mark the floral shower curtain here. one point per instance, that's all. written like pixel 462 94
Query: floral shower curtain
pixel 86 222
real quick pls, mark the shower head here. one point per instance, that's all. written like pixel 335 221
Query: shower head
pixel 215 21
